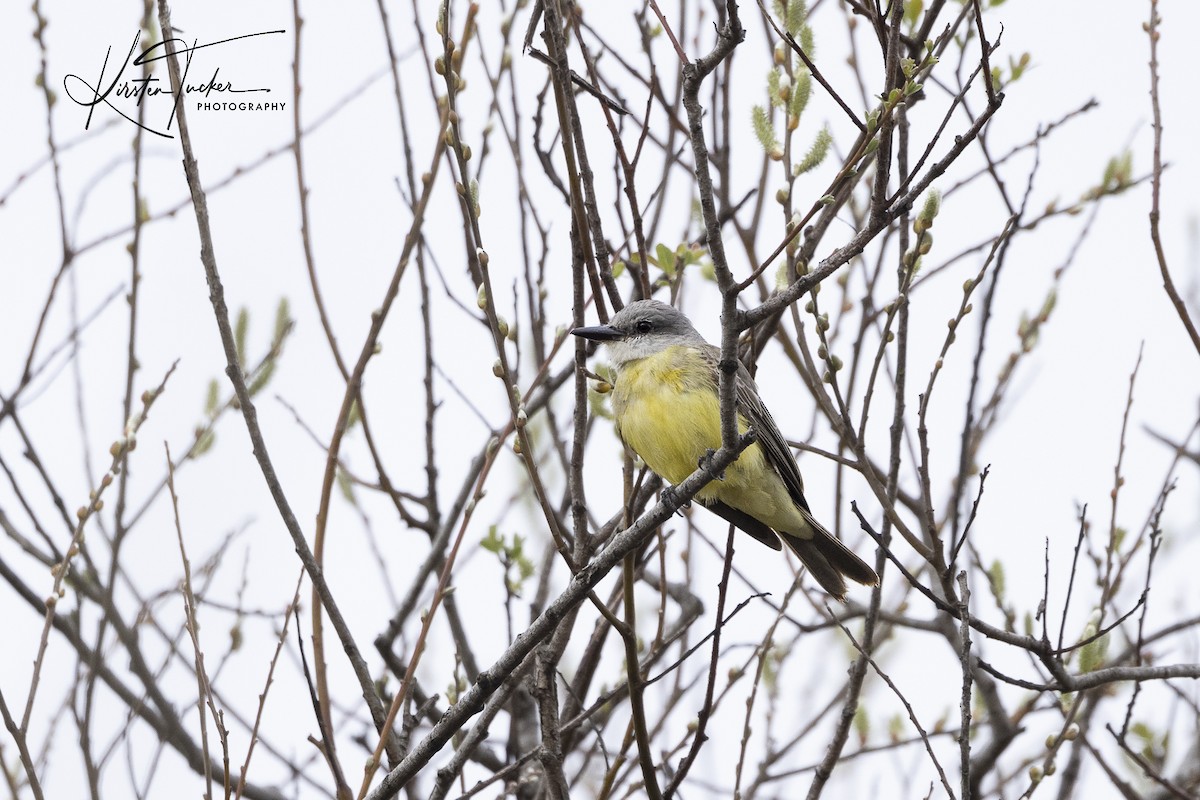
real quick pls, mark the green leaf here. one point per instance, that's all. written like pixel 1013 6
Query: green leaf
pixel 492 542
pixel 1093 654
pixel 263 377
pixel 929 211
pixel 1110 172
pixel 773 86
pixel 212 398
pixel 283 321
pixel 665 257
pixel 346 486
pixel 511 554
pixel 1118 538
pixel 239 335
pixel 525 568
pixel 816 154
pixel 473 188
pixel 912 12
pixel 995 575
pixel 690 254
pixel 783 276
pixel 770 671
pixel 765 133
pixel 797 13
pixel 1017 66
pixel 806 42
pixel 1125 169
pixel 204 443
pixel 862 723
pixel 1048 305
pixel 801 92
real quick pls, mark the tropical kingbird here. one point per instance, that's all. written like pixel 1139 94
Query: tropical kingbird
pixel 668 411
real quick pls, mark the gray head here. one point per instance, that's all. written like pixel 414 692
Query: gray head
pixel 643 328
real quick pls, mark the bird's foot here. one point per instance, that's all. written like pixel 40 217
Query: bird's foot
pixel 706 461
pixel 670 495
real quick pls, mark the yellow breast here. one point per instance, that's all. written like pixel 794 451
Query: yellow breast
pixel 669 413
pixel 667 410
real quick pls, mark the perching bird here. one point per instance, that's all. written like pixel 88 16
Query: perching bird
pixel 668 411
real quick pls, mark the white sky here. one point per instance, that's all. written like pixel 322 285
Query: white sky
pixel 1056 447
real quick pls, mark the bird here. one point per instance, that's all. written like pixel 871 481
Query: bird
pixel 666 402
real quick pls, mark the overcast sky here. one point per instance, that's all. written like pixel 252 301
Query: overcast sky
pixel 1060 434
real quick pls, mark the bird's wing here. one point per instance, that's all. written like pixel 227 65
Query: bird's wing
pixel 745 522
pixel 824 555
pixel 773 445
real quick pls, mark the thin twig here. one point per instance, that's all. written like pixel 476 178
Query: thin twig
pixel 1156 183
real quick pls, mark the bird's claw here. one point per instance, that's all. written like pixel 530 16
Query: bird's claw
pixel 706 461
pixel 670 495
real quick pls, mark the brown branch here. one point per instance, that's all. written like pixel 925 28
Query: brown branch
pixel 1156 183
pixel 816 73
pixel 249 413
pixel 625 542
pixel 699 738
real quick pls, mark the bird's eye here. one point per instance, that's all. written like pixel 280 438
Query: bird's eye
pixel 644 326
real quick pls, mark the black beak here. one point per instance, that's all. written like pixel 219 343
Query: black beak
pixel 599 333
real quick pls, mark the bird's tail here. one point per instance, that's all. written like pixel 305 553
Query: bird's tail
pixel 828 560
